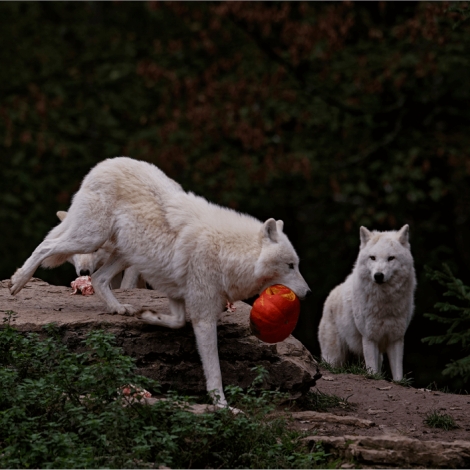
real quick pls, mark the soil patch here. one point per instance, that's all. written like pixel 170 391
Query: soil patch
pixel 393 409
pixel 384 427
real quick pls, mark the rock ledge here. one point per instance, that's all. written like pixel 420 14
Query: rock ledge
pixel 169 356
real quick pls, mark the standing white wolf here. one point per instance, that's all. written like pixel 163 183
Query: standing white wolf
pixel 369 313
pixel 200 254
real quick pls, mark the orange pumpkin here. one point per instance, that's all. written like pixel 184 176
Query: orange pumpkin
pixel 274 314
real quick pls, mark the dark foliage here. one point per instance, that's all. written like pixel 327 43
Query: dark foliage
pixel 326 115
pixel 64 410
pixel 455 314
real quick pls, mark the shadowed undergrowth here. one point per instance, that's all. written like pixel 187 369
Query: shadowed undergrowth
pixel 60 409
pixel 316 400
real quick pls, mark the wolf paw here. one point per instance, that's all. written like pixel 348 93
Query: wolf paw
pixel 17 282
pixel 125 309
pixel 233 410
pixel 149 316
pixel 160 319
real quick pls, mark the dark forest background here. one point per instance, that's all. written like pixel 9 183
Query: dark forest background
pixel 326 115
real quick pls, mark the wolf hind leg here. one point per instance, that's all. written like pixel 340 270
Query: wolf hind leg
pixel 333 348
pixel 54 250
pixel 54 261
pixel 334 354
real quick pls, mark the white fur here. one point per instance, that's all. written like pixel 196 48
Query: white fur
pixel 367 317
pixel 86 264
pixel 198 253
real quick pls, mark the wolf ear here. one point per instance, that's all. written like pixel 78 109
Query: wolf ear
pixel 403 233
pixel 61 215
pixel 280 225
pixel 269 231
pixel 364 235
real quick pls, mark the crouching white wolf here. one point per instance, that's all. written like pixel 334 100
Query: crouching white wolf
pixel 369 313
pixel 199 254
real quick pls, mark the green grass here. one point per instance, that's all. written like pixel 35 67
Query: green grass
pixel 319 401
pixel 359 368
pixel 60 409
pixel 404 382
pixel 437 419
pixel 356 368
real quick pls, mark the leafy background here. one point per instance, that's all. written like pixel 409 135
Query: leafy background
pixel 326 115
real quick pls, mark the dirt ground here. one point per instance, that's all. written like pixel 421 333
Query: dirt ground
pixel 392 408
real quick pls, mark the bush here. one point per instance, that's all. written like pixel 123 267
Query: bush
pixel 60 409
pixel 456 316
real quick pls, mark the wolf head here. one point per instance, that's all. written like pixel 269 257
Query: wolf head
pixel 385 257
pixel 87 264
pixel 278 262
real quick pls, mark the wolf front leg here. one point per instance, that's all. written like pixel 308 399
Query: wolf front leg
pixel 205 331
pixel 395 357
pixel 371 354
pixel 101 283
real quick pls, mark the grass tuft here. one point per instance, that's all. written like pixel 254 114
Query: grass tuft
pixel 404 382
pixel 356 368
pixel 437 419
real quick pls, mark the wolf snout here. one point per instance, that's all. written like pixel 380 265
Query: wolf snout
pixel 379 278
pixel 84 272
pixel 308 293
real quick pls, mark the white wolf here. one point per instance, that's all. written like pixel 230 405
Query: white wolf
pixel 86 264
pixel 369 313
pixel 200 254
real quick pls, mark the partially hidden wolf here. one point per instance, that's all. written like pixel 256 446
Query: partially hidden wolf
pixel 86 264
pixel 199 254
pixel 369 313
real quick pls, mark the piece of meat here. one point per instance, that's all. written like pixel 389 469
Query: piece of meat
pixel 133 391
pixel 82 284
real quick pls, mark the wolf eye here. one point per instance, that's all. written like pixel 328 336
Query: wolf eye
pixel 391 258
pixel 372 258
pixel 291 265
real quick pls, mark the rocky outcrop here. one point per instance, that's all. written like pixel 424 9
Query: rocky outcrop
pixel 169 356
pixel 397 451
